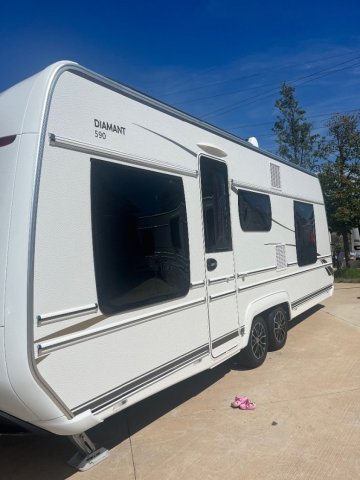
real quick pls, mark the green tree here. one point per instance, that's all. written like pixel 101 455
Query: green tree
pixel 296 142
pixel 340 176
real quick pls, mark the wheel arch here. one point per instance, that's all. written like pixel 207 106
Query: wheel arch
pixel 262 306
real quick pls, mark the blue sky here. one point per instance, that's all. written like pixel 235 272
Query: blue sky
pixel 222 61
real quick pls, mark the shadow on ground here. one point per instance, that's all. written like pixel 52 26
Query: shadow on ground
pixel 47 455
pixel 304 316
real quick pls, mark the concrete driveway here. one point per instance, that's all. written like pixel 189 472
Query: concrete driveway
pixel 306 424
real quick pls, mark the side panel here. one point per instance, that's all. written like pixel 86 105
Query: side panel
pixel 136 345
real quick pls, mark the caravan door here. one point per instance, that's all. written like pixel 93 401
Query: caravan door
pixel 219 258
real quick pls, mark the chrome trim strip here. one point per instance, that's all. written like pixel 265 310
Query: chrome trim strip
pixel 46 318
pixel 225 338
pixel 119 393
pixel 71 144
pixel 253 272
pixel 292 263
pixel 228 278
pixel 217 296
pixel 324 256
pixel 248 186
pixel 200 283
pixel 253 285
pixel 44 348
pixel 312 295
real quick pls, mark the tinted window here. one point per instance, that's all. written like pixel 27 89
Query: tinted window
pixel 140 236
pixel 215 200
pixel 305 233
pixel 254 211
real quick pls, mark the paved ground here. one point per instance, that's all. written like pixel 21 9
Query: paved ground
pixel 306 425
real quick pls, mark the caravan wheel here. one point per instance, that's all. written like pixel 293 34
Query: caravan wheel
pixel 278 327
pixel 255 353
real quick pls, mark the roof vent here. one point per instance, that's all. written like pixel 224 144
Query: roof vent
pixel 212 150
pixel 253 141
pixel 275 176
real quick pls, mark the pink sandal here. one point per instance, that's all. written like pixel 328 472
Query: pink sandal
pixel 243 403
pixel 238 401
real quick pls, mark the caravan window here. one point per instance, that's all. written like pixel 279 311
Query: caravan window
pixel 254 211
pixel 140 236
pixel 215 201
pixel 305 233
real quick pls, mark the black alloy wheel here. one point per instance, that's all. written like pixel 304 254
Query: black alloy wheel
pixel 256 350
pixel 278 328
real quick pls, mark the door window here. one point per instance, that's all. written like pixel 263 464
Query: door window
pixel 216 210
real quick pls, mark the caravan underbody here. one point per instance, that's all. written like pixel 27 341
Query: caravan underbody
pixel 139 247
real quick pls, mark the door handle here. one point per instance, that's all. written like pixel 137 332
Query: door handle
pixel 211 264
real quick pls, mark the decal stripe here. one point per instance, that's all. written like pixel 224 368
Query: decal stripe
pixel 225 338
pixel 312 295
pixel 142 381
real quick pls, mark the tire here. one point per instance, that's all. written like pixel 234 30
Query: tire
pixel 278 327
pixel 256 350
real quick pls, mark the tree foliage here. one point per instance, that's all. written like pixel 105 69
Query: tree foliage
pixel 296 142
pixel 340 176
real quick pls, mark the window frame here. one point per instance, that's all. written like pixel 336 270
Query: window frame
pixel 302 260
pixel 244 228
pixel 109 259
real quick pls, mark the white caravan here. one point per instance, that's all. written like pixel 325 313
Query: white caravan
pixel 139 246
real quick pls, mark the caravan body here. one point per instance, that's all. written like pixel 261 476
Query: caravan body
pixel 137 246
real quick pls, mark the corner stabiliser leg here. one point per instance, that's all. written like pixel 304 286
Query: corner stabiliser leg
pixel 88 455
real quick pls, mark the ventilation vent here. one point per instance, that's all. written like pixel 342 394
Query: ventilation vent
pixel 281 263
pixel 275 176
